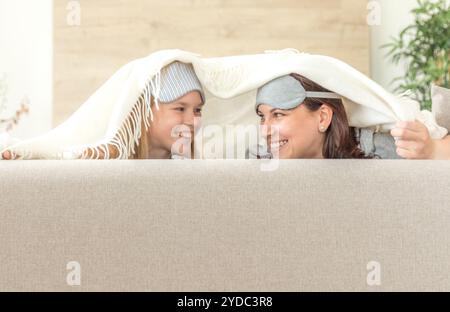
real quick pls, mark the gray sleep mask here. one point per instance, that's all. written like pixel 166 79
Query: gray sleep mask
pixel 286 92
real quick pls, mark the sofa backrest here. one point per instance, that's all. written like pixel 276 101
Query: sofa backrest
pixel 225 225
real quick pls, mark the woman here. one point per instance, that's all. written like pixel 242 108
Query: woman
pixel 301 119
pixel 172 129
pixel 306 126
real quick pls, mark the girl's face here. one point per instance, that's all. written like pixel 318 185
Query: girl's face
pixel 175 120
pixel 298 131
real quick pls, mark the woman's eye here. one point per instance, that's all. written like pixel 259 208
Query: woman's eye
pixel 180 109
pixel 278 115
pixel 198 111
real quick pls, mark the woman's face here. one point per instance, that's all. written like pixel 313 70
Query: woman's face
pixel 174 121
pixel 298 131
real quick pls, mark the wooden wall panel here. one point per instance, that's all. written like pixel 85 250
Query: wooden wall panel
pixel 113 32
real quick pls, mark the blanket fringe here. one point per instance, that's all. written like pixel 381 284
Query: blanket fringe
pixel 129 134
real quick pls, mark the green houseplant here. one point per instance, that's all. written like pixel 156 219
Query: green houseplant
pixel 424 47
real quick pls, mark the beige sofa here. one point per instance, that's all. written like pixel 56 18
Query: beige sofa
pixel 225 225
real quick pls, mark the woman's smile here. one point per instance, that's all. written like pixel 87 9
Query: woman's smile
pixel 278 145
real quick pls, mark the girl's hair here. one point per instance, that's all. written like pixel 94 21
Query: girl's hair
pixel 141 148
pixel 340 140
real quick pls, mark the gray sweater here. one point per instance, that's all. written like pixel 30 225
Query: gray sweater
pixel 380 144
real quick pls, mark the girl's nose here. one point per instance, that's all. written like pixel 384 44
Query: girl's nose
pixel 189 118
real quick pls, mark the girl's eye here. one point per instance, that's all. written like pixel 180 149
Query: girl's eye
pixel 180 109
pixel 198 111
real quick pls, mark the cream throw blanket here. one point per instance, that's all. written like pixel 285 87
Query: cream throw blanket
pixel 113 114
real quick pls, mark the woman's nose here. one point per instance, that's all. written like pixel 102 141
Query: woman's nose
pixel 266 128
pixel 270 131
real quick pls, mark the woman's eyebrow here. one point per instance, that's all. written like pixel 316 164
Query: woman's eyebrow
pixel 283 111
pixel 186 104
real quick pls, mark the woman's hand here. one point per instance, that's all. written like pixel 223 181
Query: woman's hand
pixel 413 141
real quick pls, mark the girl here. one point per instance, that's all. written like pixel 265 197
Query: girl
pixel 171 132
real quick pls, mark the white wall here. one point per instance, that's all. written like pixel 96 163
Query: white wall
pixel 395 15
pixel 26 56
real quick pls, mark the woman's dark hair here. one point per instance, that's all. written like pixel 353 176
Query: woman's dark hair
pixel 340 140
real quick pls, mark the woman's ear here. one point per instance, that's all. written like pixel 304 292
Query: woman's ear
pixel 325 117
